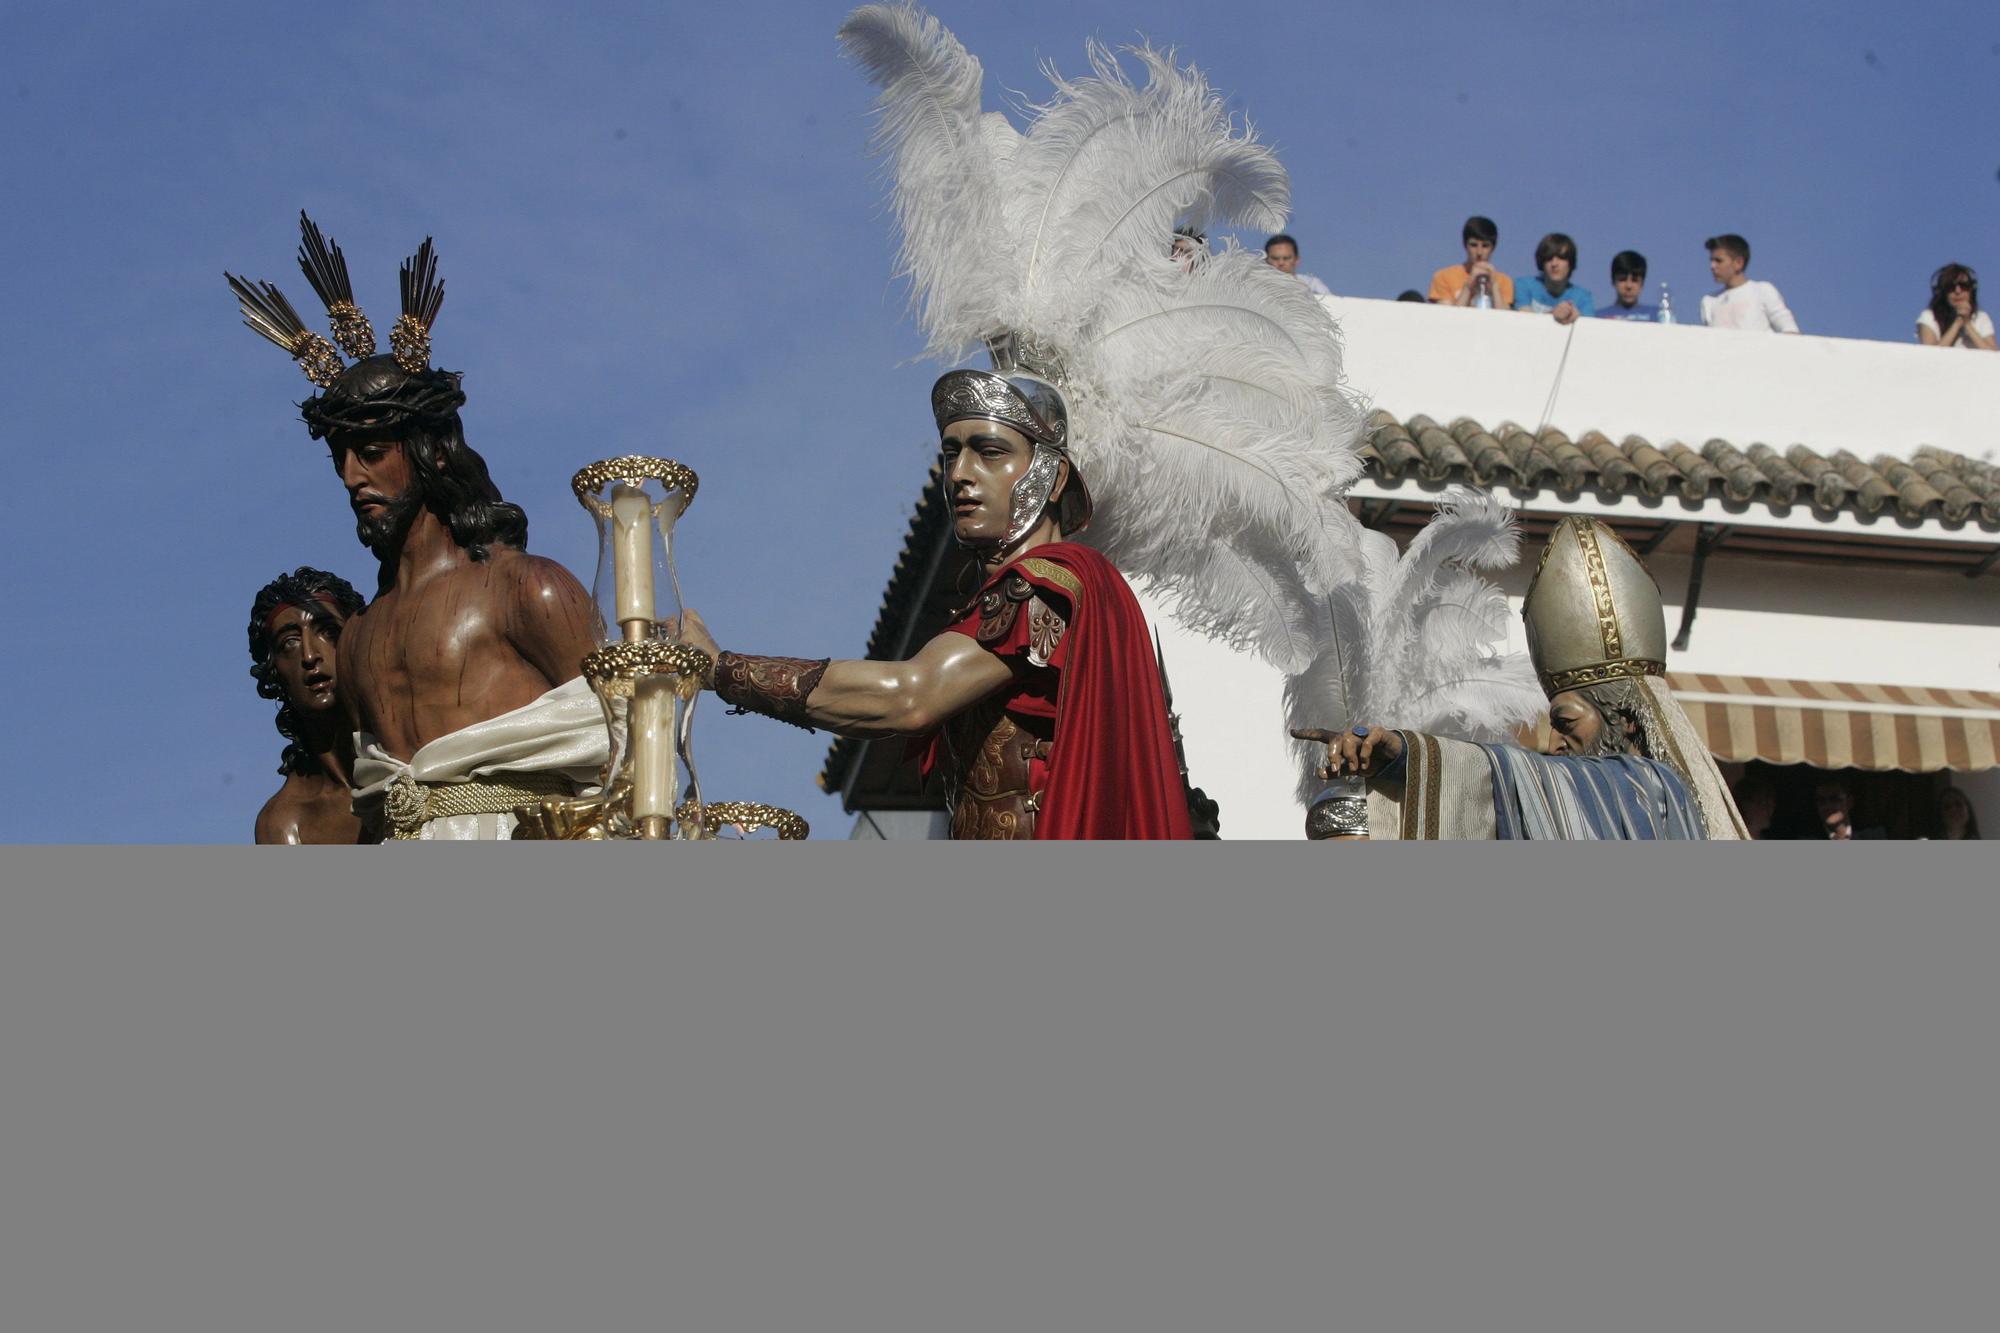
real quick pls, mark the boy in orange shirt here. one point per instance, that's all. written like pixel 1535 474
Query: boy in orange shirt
pixel 1456 284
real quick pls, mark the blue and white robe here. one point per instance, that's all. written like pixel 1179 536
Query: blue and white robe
pixel 1613 797
pixel 1446 789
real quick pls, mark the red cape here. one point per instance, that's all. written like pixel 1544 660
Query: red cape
pixel 1112 769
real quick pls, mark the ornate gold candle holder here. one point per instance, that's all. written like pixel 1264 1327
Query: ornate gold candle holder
pixel 646 680
pixel 648 688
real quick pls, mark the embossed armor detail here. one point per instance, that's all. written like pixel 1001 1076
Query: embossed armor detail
pixel 992 757
pixel 998 608
pixel 999 605
pixel 774 686
pixel 1045 631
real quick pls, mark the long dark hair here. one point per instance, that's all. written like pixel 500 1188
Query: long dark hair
pixel 1938 829
pixel 303 587
pixel 461 493
pixel 377 398
pixel 1941 282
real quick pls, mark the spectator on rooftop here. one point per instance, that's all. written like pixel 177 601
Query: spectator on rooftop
pixel 1550 291
pixel 1281 252
pixel 1628 282
pixel 1741 302
pixel 1411 294
pixel 1189 249
pixel 1953 318
pixel 1455 284
pixel 1955 817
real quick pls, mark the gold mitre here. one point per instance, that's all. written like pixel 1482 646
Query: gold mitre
pixel 1592 610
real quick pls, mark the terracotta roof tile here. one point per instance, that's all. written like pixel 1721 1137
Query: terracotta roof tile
pixel 1932 484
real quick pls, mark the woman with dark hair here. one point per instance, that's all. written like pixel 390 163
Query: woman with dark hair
pixel 1955 817
pixel 1953 318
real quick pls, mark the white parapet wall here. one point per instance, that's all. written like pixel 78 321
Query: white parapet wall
pixel 1679 382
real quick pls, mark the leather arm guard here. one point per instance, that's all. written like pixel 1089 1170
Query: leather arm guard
pixel 777 687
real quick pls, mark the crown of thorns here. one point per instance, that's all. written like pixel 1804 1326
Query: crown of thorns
pixel 375 397
pixel 267 312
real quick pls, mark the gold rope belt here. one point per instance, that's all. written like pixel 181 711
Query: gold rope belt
pixel 409 804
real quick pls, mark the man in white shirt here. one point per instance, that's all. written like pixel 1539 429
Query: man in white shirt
pixel 1742 303
pixel 1281 252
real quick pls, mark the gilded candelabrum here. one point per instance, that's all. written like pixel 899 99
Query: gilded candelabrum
pixel 647 681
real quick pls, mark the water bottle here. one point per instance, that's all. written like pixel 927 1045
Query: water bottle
pixel 1482 293
pixel 1666 306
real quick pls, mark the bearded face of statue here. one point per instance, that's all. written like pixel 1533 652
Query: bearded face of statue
pixel 381 488
pixel 1584 726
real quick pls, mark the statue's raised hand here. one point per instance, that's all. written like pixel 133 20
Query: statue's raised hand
pixel 1361 749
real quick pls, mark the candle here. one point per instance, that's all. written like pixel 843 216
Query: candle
pixel 631 517
pixel 652 738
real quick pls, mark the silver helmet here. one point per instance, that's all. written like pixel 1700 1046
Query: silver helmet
pixel 1029 400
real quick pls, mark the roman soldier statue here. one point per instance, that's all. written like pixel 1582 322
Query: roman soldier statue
pixel 462 676
pixel 1627 762
pixel 1042 699
pixel 1192 415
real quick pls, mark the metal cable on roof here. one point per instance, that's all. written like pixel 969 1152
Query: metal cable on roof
pixel 1549 407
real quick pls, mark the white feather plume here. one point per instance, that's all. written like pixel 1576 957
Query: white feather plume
pixel 941 162
pixel 1227 422
pixel 1421 638
pixel 1108 169
pixel 1208 410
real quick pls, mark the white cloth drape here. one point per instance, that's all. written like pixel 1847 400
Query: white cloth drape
pixel 561 732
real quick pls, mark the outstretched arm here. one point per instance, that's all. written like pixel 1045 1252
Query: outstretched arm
pixel 1361 750
pixel 858 698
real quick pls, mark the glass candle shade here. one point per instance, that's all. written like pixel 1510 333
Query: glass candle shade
pixel 635 502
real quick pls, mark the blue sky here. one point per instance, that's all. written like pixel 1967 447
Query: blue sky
pixel 660 233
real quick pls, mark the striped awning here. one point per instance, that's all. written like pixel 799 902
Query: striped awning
pixel 1832 724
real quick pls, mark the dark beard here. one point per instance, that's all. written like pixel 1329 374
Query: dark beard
pixel 1611 740
pixel 384 533
pixel 1622 731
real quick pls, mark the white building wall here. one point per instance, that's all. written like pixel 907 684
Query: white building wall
pixel 1757 617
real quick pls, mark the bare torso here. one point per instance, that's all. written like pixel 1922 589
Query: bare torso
pixel 309 809
pixel 461 644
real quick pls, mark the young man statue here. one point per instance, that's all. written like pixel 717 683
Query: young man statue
pixel 1043 699
pixel 295 627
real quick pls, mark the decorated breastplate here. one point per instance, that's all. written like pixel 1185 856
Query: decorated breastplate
pixel 998 749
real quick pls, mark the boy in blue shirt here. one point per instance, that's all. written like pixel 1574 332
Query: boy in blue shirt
pixel 1551 292
pixel 1628 279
